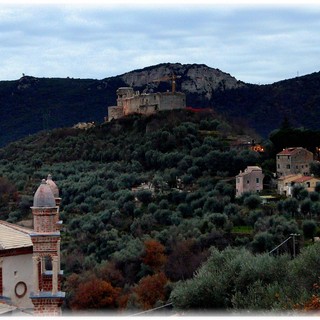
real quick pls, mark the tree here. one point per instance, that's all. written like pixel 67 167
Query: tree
pixel 95 293
pixel 252 202
pixel 315 168
pixel 154 256
pixel 309 228
pixel 291 206
pixel 262 242
pixel 184 259
pixel 235 278
pixel 145 196
pixel 305 206
pixel 299 192
pixel 151 289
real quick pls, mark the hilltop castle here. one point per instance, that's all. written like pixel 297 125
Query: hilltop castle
pixel 129 102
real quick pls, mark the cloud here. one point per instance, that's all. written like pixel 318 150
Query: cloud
pixel 254 44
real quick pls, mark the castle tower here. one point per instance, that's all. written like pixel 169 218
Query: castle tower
pixel 47 296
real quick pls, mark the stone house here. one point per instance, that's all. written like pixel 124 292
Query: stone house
pixel 30 274
pixel 250 180
pixel 287 183
pixel 129 102
pixel 293 161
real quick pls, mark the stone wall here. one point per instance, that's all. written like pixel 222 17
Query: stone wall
pixel 295 163
pixel 153 102
pixel 115 112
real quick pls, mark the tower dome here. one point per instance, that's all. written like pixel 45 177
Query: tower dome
pixel 44 196
pixel 53 186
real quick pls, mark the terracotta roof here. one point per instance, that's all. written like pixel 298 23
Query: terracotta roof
pixel 290 177
pixel 13 236
pixel 303 179
pixel 290 151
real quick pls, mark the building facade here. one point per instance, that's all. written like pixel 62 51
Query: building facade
pixel 30 274
pixel 129 102
pixel 250 180
pixel 16 265
pixel 287 183
pixel 293 161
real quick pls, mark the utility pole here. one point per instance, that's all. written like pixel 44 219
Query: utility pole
pixel 294 235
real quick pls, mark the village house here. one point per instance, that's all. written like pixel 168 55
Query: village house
pixel 287 183
pixel 293 161
pixel 250 180
pixel 30 274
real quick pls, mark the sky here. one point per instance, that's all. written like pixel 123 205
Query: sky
pixel 256 43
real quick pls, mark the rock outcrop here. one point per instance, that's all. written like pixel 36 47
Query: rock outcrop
pixel 191 78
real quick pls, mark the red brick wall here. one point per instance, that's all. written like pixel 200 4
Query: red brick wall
pixel 45 219
pixel 47 307
pixel 47 282
pixel 43 244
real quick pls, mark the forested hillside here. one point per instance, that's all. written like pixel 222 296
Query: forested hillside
pixel 149 212
pixel 29 104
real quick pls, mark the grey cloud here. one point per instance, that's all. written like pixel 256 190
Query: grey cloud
pixel 246 42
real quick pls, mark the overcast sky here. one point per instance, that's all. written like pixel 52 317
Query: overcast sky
pixel 254 43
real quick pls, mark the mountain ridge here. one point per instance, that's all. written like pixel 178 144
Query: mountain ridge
pixel 31 104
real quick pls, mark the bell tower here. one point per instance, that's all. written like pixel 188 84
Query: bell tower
pixel 47 296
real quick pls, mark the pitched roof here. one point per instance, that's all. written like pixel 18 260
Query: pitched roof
pixel 304 179
pixel 13 236
pixel 290 151
pixel 248 170
pixel 290 177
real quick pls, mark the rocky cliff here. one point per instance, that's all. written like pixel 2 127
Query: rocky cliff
pixel 191 78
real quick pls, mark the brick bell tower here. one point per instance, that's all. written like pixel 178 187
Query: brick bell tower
pixel 47 296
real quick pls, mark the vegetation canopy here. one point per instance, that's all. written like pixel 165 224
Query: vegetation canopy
pixel 151 218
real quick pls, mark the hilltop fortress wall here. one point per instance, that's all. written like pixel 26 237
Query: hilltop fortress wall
pixel 129 102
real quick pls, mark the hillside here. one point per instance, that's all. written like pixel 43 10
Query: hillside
pixel 148 201
pixel 30 104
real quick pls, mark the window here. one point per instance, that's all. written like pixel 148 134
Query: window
pixel 278 166
pixel 20 289
pixel 248 181
pixel 257 180
pixel 288 166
